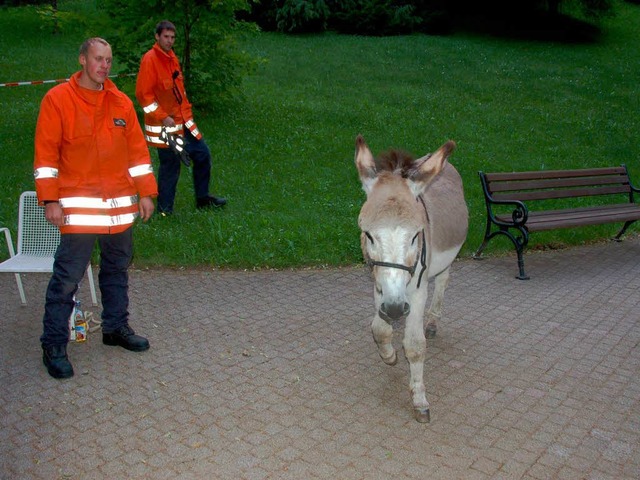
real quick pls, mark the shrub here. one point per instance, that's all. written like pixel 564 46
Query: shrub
pixel 19 3
pixel 263 13
pixel 300 16
pixel 375 17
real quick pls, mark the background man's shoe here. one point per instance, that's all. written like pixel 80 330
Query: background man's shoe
pixel 56 360
pixel 210 201
pixel 125 337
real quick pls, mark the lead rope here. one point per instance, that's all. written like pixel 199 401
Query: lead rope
pixel 423 254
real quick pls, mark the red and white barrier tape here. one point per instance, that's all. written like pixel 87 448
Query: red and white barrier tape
pixel 35 82
pixel 60 80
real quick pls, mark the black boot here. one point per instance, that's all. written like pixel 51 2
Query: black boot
pixel 125 337
pixel 210 201
pixel 56 360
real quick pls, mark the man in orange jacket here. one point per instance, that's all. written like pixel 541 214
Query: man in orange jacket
pixel 93 174
pixel 167 113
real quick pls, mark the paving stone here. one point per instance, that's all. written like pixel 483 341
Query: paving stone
pixel 274 375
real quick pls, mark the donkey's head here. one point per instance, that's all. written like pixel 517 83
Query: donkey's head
pixel 394 221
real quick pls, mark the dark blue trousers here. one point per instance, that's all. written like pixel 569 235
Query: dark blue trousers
pixel 169 171
pixel 71 260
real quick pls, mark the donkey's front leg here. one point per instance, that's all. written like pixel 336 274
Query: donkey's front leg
pixel 435 309
pixel 383 335
pixel 414 349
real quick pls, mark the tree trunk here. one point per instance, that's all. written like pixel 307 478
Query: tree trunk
pixel 186 56
pixel 54 10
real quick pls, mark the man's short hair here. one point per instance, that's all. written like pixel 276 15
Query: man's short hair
pixel 165 25
pixel 84 48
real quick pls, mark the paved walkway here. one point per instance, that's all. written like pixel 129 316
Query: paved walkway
pixel 274 375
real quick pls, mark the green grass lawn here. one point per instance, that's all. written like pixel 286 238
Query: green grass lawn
pixel 284 157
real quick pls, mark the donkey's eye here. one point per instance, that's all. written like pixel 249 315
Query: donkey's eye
pixel 369 237
pixel 415 238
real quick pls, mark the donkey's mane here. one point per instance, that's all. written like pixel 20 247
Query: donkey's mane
pixel 396 161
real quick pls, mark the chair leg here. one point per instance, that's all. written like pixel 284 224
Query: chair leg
pixel 487 236
pixel 478 254
pixel 521 274
pixel 617 238
pixel 92 286
pixel 23 299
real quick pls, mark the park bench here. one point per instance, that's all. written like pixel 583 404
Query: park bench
pixel 508 197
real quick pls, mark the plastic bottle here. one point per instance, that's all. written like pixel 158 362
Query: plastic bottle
pixel 77 323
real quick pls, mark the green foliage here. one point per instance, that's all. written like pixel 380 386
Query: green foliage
pixel 369 17
pixel 302 16
pixel 263 13
pixel 18 3
pixel 54 21
pixel 596 8
pixel 392 17
pixel 207 39
pixel 375 17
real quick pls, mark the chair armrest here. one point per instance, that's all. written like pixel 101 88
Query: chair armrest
pixel 520 212
pixel 7 236
pixel 519 215
pixel 631 185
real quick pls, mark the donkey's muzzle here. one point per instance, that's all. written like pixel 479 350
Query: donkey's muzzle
pixel 390 312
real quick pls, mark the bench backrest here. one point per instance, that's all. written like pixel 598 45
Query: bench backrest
pixel 550 184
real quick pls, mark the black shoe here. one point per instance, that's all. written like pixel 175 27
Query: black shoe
pixel 210 201
pixel 56 360
pixel 125 337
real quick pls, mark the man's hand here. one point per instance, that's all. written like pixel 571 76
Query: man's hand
pixel 146 208
pixel 169 122
pixel 53 214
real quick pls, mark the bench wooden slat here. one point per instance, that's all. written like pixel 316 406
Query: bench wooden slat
pixel 558 183
pixel 577 217
pixel 561 193
pixel 533 175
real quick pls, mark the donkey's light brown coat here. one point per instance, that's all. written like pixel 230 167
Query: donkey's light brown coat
pixel 415 214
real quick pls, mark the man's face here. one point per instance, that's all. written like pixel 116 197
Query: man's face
pixel 96 64
pixel 166 39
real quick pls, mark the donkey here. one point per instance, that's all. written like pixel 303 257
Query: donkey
pixel 413 222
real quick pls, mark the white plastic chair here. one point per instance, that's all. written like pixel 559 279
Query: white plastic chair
pixel 37 244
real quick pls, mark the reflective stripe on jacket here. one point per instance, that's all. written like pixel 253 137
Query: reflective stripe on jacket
pixel 160 92
pixel 90 155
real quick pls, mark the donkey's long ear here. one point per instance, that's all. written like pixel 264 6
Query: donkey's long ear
pixel 365 164
pixel 427 168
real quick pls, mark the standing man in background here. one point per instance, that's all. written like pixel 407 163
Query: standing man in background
pixel 169 124
pixel 93 174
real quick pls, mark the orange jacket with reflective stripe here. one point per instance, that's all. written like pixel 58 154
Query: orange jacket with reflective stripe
pixel 90 155
pixel 160 92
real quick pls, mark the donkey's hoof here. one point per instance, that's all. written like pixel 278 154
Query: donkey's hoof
pixel 430 331
pixel 422 415
pixel 392 360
